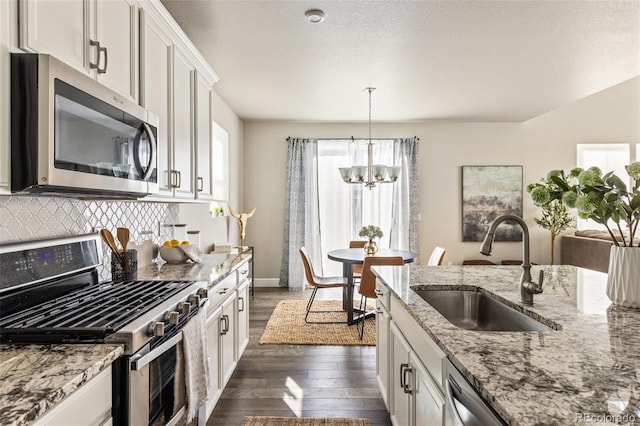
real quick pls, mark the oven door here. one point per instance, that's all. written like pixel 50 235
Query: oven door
pixel 156 386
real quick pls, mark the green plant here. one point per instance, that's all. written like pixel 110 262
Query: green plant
pixel 371 232
pixel 602 198
pixel 555 215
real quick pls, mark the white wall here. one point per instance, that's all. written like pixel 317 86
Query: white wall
pixel 541 144
pixel 196 215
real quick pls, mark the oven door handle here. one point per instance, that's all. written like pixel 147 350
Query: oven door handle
pixel 139 361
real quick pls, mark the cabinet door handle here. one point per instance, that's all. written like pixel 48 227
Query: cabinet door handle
pixel 241 299
pixel 179 175
pixel 200 184
pixel 378 292
pixel 407 385
pixel 106 60
pixel 224 321
pixel 95 44
pixel 402 369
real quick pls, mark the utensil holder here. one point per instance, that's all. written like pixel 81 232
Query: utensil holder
pixel 124 265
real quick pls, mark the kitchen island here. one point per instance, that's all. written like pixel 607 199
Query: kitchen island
pixel 586 371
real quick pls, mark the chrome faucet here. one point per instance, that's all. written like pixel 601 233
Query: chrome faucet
pixel 527 287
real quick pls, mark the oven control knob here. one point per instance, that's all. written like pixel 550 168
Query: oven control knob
pixel 195 300
pixel 203 293
pixel 184 307
pixel 172 317
pixel 156 329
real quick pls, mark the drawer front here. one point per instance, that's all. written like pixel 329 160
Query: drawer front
pixel 243 272
pixel 220 291
pixel 383 294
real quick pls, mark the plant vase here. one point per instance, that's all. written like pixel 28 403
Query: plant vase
pixel 370 247
pixel 623 282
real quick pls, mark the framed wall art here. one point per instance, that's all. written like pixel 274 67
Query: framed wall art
pixel 489 192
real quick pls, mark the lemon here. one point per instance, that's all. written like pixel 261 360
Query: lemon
pixel 167 243
pixel 175 242
pixel 185 243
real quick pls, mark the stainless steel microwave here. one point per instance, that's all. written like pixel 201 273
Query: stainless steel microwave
pixel 70 135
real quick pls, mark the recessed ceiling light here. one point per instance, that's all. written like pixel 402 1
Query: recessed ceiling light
pixel 315 16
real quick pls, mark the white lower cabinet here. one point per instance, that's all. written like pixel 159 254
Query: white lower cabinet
pixel 409 369
pixel 428 399
pixel 383 320
pixel 88 406
pixel 242 319
pixel 400 399
pixel 213 354
pixel 227 334
pixel 227 339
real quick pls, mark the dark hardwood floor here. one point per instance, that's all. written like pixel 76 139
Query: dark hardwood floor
pixel 299 380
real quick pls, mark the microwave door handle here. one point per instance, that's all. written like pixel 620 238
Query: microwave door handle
pixel 152 156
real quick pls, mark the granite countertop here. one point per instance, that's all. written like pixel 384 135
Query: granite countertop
pixel 588 371
pixel 34 378
pixel 213 268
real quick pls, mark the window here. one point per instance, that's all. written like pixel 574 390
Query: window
pixel 607 157
pixel 345 208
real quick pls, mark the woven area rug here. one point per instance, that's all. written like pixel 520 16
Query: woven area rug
pixel 287 327
pixel 305 421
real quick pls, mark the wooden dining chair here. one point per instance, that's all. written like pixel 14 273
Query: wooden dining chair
pixel 357 269
pixel 367 287
pixel 477 262
pixel 319 282
pixel 437 255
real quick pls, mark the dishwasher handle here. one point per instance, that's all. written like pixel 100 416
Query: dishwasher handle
pixel 454 418
pixel 464 407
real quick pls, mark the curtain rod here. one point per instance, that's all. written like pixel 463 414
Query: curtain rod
pixel 352 138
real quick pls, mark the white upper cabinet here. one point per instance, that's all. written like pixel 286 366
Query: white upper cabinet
pixel 156 53
pixel 167 80
pixel 183 125
pixel 98 37
pixel 203 138
pixel 117 31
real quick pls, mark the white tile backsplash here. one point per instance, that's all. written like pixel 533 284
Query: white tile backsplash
pixel 24 218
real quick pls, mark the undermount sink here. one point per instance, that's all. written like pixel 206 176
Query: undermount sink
pixel 473 310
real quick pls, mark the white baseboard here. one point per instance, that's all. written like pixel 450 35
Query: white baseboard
pixel 266 282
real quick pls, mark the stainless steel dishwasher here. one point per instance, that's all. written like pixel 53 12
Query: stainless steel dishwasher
pixel 464 406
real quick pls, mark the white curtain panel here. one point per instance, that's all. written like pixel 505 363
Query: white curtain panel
pixel 406 202
pixel 302 217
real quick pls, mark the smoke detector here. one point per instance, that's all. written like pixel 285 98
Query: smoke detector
pixel 315 16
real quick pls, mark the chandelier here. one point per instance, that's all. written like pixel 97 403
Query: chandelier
pixel 371 174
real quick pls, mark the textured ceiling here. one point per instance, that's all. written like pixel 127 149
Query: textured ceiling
pixel 429 60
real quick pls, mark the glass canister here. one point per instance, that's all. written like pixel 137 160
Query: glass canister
pixel 180 231
pixel 194 238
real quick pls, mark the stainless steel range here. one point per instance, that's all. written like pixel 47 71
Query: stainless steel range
pixel 49 293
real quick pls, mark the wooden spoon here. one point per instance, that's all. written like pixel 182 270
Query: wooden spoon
pixel 107 236
pixel 123 237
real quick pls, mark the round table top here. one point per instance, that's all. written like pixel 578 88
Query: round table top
pixel 357 255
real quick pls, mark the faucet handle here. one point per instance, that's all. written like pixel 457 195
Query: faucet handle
pixel 540 279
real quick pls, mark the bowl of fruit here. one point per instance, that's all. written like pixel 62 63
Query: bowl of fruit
pixel 172 251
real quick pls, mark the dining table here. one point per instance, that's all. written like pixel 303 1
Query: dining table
pixel 355 256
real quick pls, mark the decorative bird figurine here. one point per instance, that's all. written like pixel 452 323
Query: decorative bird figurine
pixel 242 220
